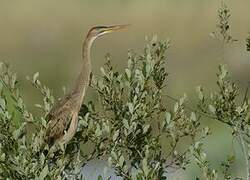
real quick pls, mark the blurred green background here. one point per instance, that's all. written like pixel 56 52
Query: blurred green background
pixel 46 37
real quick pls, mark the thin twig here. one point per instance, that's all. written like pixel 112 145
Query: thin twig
pixel 245 153
pixel 246 93
pixel 242 142
pixel 190 108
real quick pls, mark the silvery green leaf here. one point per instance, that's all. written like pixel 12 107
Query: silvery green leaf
pixel 200 93
pixel 84 122
pixel 60 162
pixel 125 168
pixel 6 79
pixel 116 134
pixel 193 116
pixel 2 103
pixel 106 128
pixel 182 100
pixel 138 72
pixel 125 123
pixel 239 109
pixel 1 86
pixel 147 151
pixel 2 157
pixel 44 173
pixel 203 156
pixel 114 155
pixel 38 106
pixel 35 77
pixel 1 66
pixel 16 133
pixel 214 174
pixel 42 158
pixel 20 103
pixel 103 71
pixel 206 131
pixel 13 80
pixel 213 35
pixel 163 125
pixel 175 153
pixel 223 71
pixel 128 73
pixel 98 131
pixel 154 39
pixel 197 145
pixel 167 117
pixel 176 107
pixel 146 128
pixel 129 61
pixel 148 70
pixel 121 161
pixel 130 108
pixel 43 122
pixel 211 108
pixel 64 89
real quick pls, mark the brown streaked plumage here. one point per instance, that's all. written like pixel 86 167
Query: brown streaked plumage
pixel 63 117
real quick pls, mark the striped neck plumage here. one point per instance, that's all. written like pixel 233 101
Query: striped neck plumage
pixel 82 81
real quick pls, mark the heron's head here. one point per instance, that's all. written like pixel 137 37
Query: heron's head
pixel 101 30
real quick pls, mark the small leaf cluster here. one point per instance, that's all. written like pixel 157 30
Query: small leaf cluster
pixel 136 123
pixel 224 27
pixel 22 135
pixel 201 160
pixel 248 43
pixel 224 106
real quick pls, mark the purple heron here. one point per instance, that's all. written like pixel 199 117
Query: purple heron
pixel 63 117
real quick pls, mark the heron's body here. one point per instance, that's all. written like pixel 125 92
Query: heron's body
pixel 63 117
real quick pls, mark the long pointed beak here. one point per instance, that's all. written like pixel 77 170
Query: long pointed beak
pixel 116 27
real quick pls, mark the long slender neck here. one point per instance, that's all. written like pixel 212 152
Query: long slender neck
pixel 82 81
